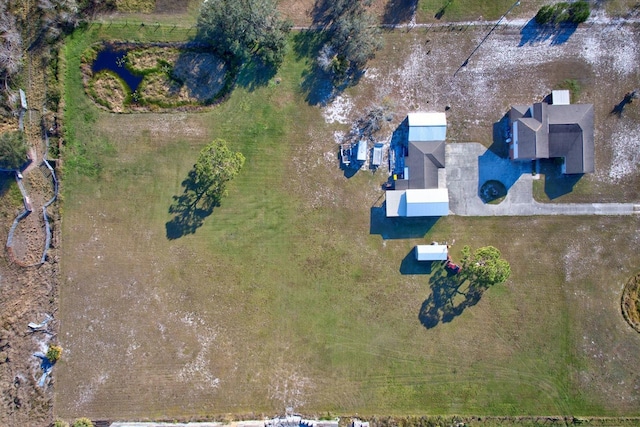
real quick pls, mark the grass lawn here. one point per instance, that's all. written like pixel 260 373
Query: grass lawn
pixel 288 296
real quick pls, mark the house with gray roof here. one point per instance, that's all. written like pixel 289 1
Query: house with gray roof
pixel 556 130
pixel 421 190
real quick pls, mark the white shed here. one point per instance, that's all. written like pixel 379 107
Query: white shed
pixel 417 203
pixel 362 151
pixel 431 252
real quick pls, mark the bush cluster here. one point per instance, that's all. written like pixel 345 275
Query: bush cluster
pixel 576 13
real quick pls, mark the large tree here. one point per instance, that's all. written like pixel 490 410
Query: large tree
pixel 216 166
pixel 352 36
pixel 244 28
pixel 484 267
pixel 13 150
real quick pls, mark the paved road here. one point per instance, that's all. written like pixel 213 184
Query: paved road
pixel 471 164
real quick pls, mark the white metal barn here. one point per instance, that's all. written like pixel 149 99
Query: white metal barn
pixel 417 202
pixel 431 252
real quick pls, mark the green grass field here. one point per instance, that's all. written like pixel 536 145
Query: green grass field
pixel 287 295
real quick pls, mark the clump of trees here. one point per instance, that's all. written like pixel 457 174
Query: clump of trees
pixel 352 37
pixel 242 29
pixel 485 267
pixel 563 12
pixel 13 150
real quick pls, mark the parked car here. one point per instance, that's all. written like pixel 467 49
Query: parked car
pixel 452 267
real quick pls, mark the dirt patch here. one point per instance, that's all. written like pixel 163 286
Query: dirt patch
pixel 631 302
pixel 108 90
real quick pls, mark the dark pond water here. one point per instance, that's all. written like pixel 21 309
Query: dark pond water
pixel 113 60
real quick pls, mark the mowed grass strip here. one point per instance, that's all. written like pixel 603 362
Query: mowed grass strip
pixel 285 296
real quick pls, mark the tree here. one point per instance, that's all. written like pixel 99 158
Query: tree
pixel 352 37
pixel 53 353
pixel 576 12
pixel 13 150
pixel 82 422
pixel 216 166
pixel 241 29
pixel 484 267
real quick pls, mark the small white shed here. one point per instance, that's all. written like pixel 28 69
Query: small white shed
pixel 362 151
pixel 431 252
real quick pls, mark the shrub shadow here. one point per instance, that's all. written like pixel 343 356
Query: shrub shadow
pixel 556 183
pixel 533 33
pixel 398 228
pixel 449 298
pixel 619 108
pixel 398 12
pixel 189 210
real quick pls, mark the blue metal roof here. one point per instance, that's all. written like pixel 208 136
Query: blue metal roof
pixel 427 133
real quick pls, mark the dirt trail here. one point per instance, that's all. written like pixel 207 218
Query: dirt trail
pixel 28 294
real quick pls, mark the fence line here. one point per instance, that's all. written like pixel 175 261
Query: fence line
pixel 27 203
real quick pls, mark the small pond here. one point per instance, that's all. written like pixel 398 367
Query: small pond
pixel 114 60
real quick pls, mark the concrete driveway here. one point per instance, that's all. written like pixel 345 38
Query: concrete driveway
pixel 470 165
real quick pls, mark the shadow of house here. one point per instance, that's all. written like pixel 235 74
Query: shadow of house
pixel 189 210
pixel 494 168
pixel 410 265
pixel 448 298
pixel 556 183
pixel 533 33
pixel 398 12
pixel 398 228
pixel 500 144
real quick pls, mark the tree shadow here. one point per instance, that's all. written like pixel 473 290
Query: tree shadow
pixel 556 183
pixel 410 265
pixel 398 12
pixel 398 228
pixel 533 33
pixel 206 76
pixel 320 86
pixel 628 99
pixel 255 73
pixel 501 132
pixel 189 210
pixel 451 294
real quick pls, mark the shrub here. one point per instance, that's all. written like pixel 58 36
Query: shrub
pixel 60 423
pixel 82 422
pixel 13 150
pixel 54 353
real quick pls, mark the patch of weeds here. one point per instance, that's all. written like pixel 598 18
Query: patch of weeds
pixel 573 86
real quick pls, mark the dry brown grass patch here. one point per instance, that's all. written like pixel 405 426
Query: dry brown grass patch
pixel 631 301
pixel 150 58
pixel 108 90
